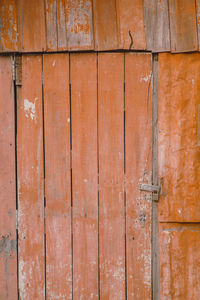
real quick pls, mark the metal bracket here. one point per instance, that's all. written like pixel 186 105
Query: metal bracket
pixel 154 189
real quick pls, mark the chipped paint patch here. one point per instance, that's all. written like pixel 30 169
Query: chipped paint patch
pixel 146 78
pixel 29 108
pixel 22 279
pixel 6 245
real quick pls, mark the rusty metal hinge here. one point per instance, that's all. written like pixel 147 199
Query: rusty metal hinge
pixel 13 68
pixel 154 189
pixel 17 69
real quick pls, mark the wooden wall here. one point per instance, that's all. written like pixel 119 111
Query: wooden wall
pixel 58 25
pixel 82 146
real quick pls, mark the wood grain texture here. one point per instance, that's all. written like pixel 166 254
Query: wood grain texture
pixel 156 181
pixel 57 176
pixel 179 261
pixel 149 7
pixel 111 175
pixel 131 29
pixel 105 25
pixel 138 160
pixel 183 27
pixel 31 20
pixel 8 26
pixel 8 250
pixel 198 20
pixel 61 25
pixel 35 26
pixel 178 152
pixel 31 181
pixel 156 20
pixel 78 15
pixel 84 175
pixel 51 24
pixel 161 38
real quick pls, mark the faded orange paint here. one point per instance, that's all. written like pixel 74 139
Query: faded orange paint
pixel 179 261
pixel 9 26
pixel 8 242
pixel 31 16
pixel 183 24
pixel 35 26
pixel 31 181
pixel 138 166
pixel 57 176
pixel 79 28
pixel 179 153
pixel 61 25
pixel 84 175
pixel 105 25
pixel 131 29
pixel 111 175
pixel 51 24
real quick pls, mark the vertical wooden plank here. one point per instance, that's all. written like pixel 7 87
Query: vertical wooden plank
pixel 138 140
pixel 32 33
pixel 79 25
pixel 183 27
pixel 105 25
pixel 179 261
pixel 8 26
pixel 149 21
pixel 8 254
pixel 198 20
pixel 131 24
pixel 111 175
pixel 156 19
pixel 155 181
pixel 61 25
pixel 161 29
pixel 31 181
pixel 84 175
pixel 51 24
pixel 57 176
pixel 178 151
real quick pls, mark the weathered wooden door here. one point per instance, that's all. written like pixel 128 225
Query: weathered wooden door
pixel 83 146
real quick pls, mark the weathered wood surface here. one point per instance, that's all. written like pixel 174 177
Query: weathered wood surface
pixel 31 181
pixel 98 244
pixel 179 175
pixel 57 176
pixel 179 261
pixel 57 25
pixel 183 25
pixel 131 29
pixel 51 25
pixel 31 24
pixel 161 38
pixel 179 153
pixel 84 175
pixel 8 26
pixel 111 175
pixel 138 160
pixel 105 25
pixel 79 24
pixel 8 240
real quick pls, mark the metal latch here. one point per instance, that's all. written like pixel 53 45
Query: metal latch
pixel 154 189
